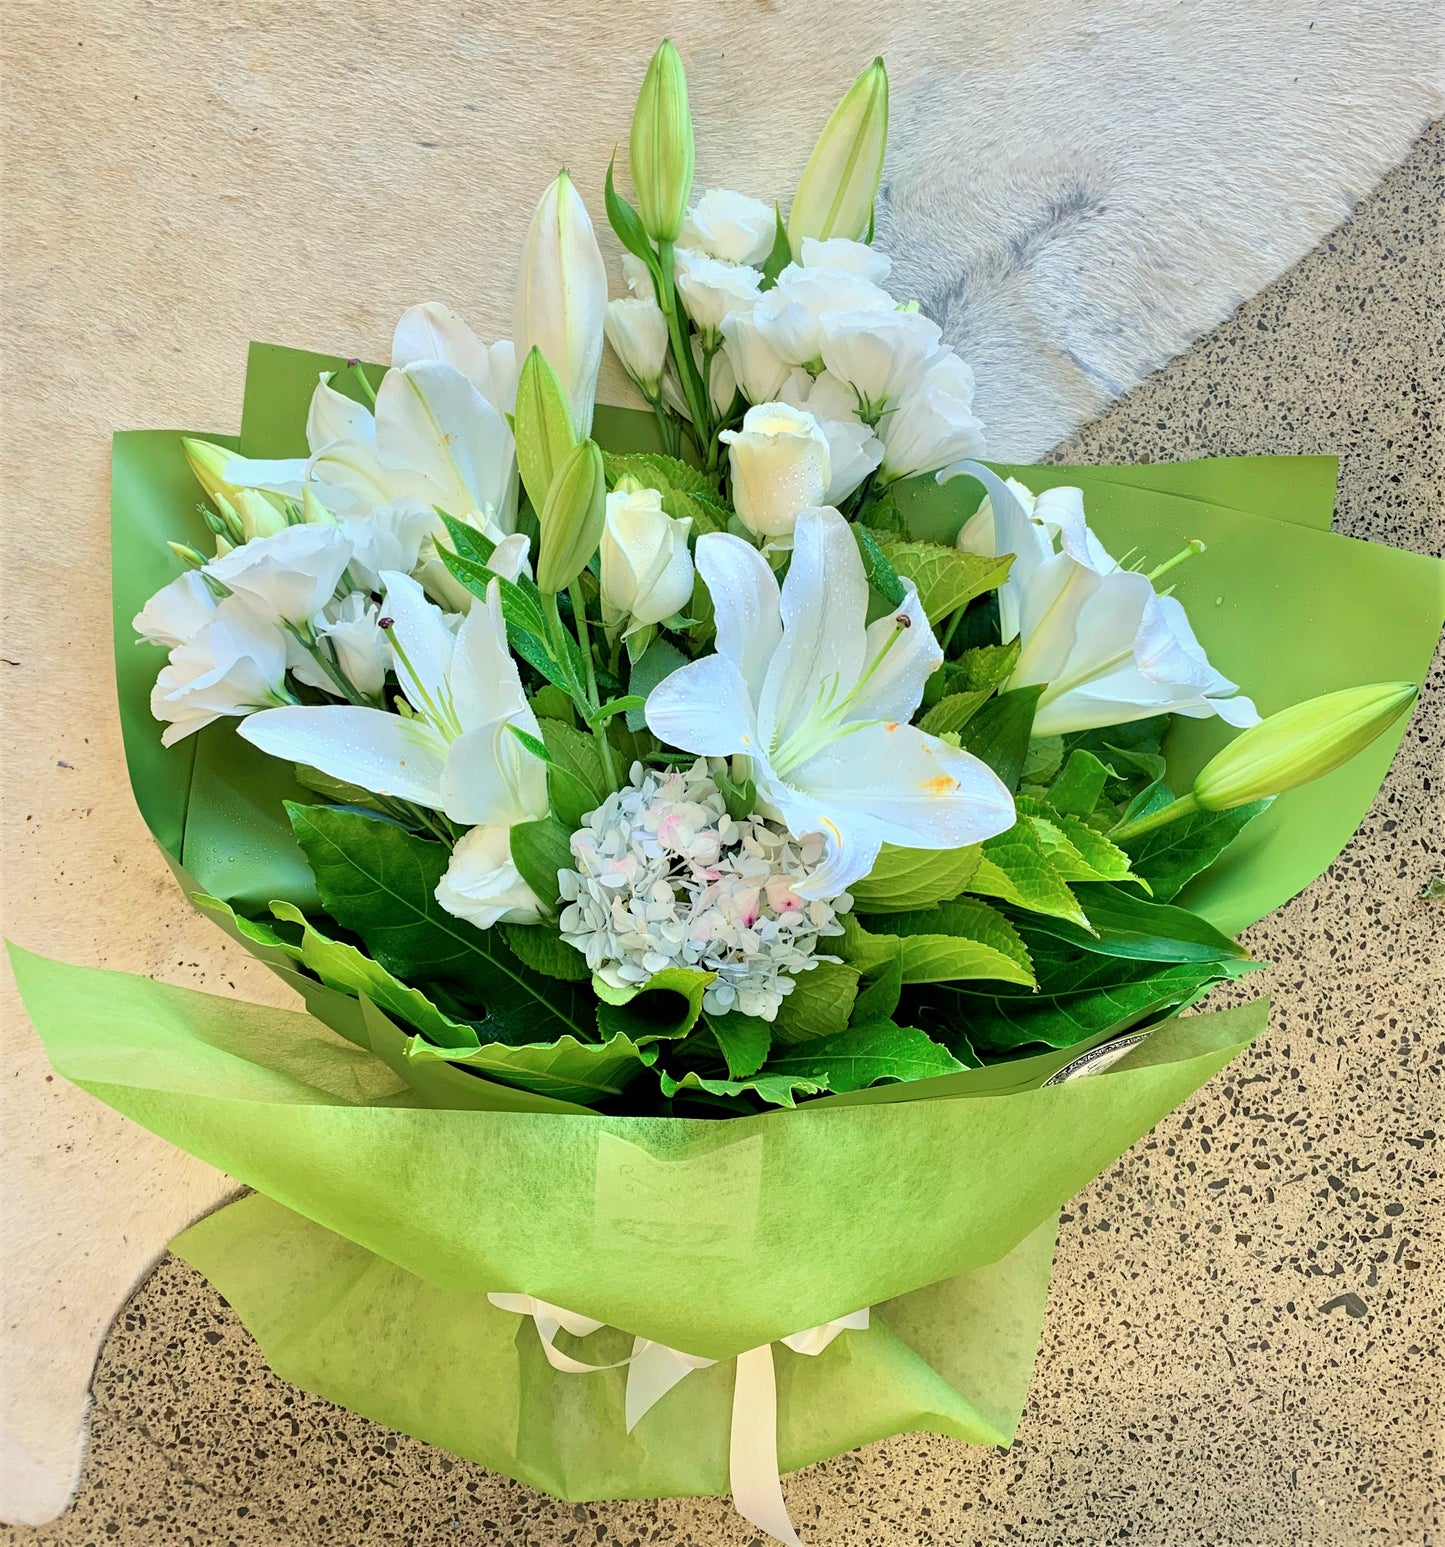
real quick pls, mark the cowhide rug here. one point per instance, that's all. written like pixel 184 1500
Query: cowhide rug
pixel 1075 192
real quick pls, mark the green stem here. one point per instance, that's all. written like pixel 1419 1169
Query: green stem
pixel 677 332
pixel 1184 806
pixel 584 638
pixel 359 371
pixel 308 641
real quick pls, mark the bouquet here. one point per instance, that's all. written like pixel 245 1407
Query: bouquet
pixel 711 842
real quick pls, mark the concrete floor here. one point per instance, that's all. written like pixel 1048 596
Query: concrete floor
pixel 1242 1341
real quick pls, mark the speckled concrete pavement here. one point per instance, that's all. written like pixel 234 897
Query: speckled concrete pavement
pixel 1241 1346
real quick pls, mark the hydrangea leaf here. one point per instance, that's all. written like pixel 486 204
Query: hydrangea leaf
pixel 779 1090
pixel 819 1005
pixel 960 939
pixel 1078 787
pixel 539 851
pixel 541 948
pixel 743 1041
pixel 566 1068
pixel 1072 847
pixel 946 578
pixel 865 1055
pixel 1014 868
pixel 999 732
pixel 902 879
pixel 667 1006
pixel 1124 924
pixel 1173 854
pixel 949 715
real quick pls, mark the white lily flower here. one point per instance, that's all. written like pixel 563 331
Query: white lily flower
pixel 1109 648
pixel 780 465
pixel 846 257
pixel 331 417
pixel 854 450
pixel 435 332
pixel 483 886
pixel 790 315
pixel 292 575
pixel 177 612
pixel 758 368
pixel 646 568
pixel 234 665
pixel 730 226
pixel 637 330
pixel 819 702
pixel 933 422
pixel 712 290
pixel 562 296
pixel 455 752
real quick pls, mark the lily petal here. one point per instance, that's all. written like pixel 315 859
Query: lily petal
pixel 333 416
pixel 705 708
pixel 745 601
pixel 893 688
pixel 485 682
pixel 490 777
pixel 381 752
pixel 423 643
pixel 280 476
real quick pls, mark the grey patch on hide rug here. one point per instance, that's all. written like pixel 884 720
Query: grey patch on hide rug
pixel 1076 207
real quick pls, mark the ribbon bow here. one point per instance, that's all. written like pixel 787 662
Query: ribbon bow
pixel 653 1369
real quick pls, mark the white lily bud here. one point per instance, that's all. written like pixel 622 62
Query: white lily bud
pixel 562 296
pixel 840 182
pixel 731 226
pixel 483 886
pixel 661 146
pixel 646 568
pixel 780 466
pixel 637 330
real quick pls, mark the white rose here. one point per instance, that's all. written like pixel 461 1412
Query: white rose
pixel 291 575
pixel 712 290
pixel 637 330
pixel 177 612
pixel 878 354
pixel 646 568
pixel 790 314
pixel 934 423
pixel 730 226
pixel 758 368
pixel 232 666
pixel 846 257
pixel 483 886
pixel 780 466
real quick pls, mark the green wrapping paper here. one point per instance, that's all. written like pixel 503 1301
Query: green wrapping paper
pixel 393 1195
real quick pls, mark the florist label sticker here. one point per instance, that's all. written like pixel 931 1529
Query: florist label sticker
pixel 703 1204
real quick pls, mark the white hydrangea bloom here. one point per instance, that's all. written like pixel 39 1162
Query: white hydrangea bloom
pixel 666 878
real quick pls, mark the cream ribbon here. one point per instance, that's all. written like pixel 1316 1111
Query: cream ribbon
pixel 653 1369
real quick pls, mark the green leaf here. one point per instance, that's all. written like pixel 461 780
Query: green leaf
pixel 1124 924
pixel 779 1090
pixel 1014 868
pixel 1174 854
pixel 1077 789
pixel 946 578
pixel 268 944
pixel 743 1041
pixel 665 1007
pixel 576 783
pixel 658 663
pixel 1073 848
pixel 379 882
pixel 960 939
pixel 540 947
pixel 882 576
pixel 539 850
pixel 551 703
pixel 706 512
pixel 542 426
pixel 335 790
pixel 865 1055
pixel 999 732
pixel 985 666
pixel 780 255
pixel 949 715
pixel 902 879
pixel 627 223
pixel 861 948
pixel 820 1003
pixel 1043 759
pixel 1080 995
pixel 342 966
pixel 570 1070
pixel 653 470
pixel 879 999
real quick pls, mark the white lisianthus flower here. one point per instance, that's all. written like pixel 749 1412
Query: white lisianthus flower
pixel 177 612
pixel 820 702
pixel 757 367
pixel 878 355
pixel 933 422
pixel 646 568
pixel 854 450
pixel 362 646
pixel 290 576
pixel 790 315
pixel 435 332
pixel 638 276
pixel 637 330
pixel 730 226
pixel 845 257
pixel 455 752
pixel 562 296
pixel 483 886
pixel 1107 646
pixel 234 665
pixel 780 465
pixel 391 537
pixel 711 289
